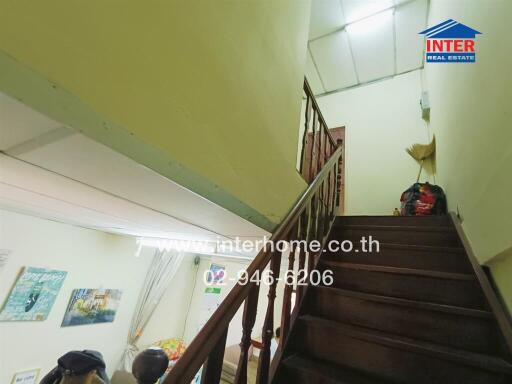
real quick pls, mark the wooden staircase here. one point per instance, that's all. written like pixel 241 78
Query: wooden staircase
pixel 418 311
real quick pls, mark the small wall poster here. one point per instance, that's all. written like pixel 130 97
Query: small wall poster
pixel 33 295
pixel 216 274
pixel 27 377
pixel 211 298
pixel 92 306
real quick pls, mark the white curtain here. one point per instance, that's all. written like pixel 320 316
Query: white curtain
pixel 160 274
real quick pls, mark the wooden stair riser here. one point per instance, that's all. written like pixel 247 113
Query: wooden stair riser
pixel 412 221
pixel 445 328
pixel 390 363
pixel 398 236
pixel 461 293
pixel 309 371
pixel 407 258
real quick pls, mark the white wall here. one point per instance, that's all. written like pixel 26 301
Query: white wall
pixel 471 117
pixel 197 316
pixel 92 259
pixel 471 105
pixel 382 119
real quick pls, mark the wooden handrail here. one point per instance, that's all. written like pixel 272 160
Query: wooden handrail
pixel 310 94
pixel 314 154
pixel 206 340
pixel 310 218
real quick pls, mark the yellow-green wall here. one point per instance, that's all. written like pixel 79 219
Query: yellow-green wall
pixel 471 115
pixel 212 87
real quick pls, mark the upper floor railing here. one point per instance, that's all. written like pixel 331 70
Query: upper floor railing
pixel 317 142
pixel 310 219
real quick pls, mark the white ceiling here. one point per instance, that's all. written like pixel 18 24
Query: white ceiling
pixel 53 172
pixel 353 42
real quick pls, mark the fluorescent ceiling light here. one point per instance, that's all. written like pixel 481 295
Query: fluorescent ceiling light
pixel 371 24
pixel 192 246
pixel 359 9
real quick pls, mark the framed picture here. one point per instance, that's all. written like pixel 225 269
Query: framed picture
pixel 92 306
pixel 26 377
pixel 33 295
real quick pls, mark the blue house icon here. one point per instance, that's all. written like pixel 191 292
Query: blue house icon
pixel 450 29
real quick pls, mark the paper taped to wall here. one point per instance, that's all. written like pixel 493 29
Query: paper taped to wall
pixel 4 257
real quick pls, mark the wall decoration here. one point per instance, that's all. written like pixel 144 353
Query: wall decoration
pixel 216 274
pixel 211 298
pixel 33 295
pixel 92 306
pixel 27 377
pixel 4 257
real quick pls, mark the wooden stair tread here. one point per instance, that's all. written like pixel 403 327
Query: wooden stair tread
pixel 398 270
pixel 481 361
pixel 395 220
pixel 414 247
pixel 405 228
pixel 331 373
pixel 462 311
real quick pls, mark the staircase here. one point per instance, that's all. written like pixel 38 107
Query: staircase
pixel 418 311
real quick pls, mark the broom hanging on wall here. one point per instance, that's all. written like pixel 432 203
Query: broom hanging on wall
pixel 424 154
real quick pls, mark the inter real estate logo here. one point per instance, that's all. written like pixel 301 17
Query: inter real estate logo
pixel 450 42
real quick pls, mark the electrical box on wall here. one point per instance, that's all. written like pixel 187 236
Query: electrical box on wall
pixel 425 106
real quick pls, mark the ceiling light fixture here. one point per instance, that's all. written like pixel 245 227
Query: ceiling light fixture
pixel 371 24
pixel 361 9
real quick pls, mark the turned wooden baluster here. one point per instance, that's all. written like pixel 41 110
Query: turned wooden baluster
pixel 312 165
pixel 303 231
pixel 312 230
pixel 321 134
pixel 303 155
pixel 320 215
pixel 330 198
pixel 329 217
pixel 248 319
pixel 212 369
pixel 333 200
pixel 288 289
pixel 338 177
pixel 262 376
pixel 335 191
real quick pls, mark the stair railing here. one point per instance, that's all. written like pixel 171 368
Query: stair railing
pixel 310 219
pixel 316 138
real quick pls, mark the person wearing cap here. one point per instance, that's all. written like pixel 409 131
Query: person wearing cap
pixel 78 367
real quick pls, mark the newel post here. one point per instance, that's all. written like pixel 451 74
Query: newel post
pixel 150 365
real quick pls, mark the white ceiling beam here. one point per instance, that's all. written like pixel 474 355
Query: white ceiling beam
pixel 316 68
pixel 362 84
pixel 350 48
pixel 344 26
pixel 39 141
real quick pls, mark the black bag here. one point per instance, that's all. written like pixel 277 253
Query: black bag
pixel 423 199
